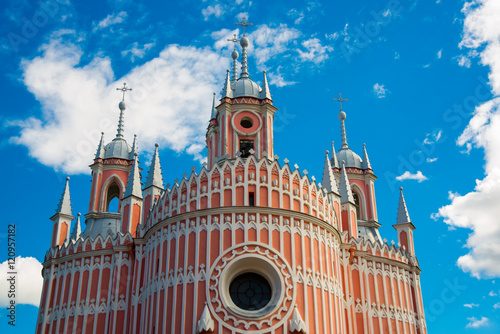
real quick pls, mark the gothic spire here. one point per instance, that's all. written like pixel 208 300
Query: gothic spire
pixel 333 160
pixel 342 117
pixel 100 149
pixel 366 162
pixel 226 91
pixel 154 175
pixel 134 180
pixel 122 106
pixel 244 42
pixel 77 230
pixel 214 111
pixel 403 216
pixel 266 93
pixel 235 56
pixel 345 186
pixel 64 206
pixel 135 150
pixel 329 182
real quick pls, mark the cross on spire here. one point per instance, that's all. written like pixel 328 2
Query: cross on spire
pixel 124 89
pixel 340 99
pixel 244 23
pixel 234 39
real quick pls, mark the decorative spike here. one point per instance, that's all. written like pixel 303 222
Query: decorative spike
pixel 333 160
pixel 206 323
pixel 366 162
pixel 342 117
pixel 77 230
pixel 135 150
pixel 403 216
pixel 244 42
pixel 120 130
pixel 235 65
pixel 227 90
pixel 266 93
pixel 297 325
pixel 64 206
pixel 214 111
pixel 345 187
pixel 329 182
pixel 134 181
pixel 154 175
pixel 100 149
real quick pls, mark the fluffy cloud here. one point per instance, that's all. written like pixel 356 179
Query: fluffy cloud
pixel 478 210
pixel 476 323
pixel 216 11
pixel 380 91
pixel 110 20
pixel 409 176
pixel 439 54
pixel 471 305
pixel 315 52
pixel 269 42
pixel 137 51
pixel 28 281
pixel 170 103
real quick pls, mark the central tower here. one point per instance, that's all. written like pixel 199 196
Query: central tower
pixel 242 123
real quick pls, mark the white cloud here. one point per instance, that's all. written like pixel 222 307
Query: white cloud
pixel 277 79
pixel 431 159
pixel 315 52
pixel 476 323
pixel 216 11
pixel 439 54
pixel 170 103
pixel 269 42
pixel 396 55
pixel 110 20
pixel 471 305
pixel 242 15
pixel 478 210
pixel 380 91
pixel 409 176
pixel 496 306
pixel 492 294
pixel 28 281
pixel 295 14
pixel 433 137
pixel 463 61
pixel 136 51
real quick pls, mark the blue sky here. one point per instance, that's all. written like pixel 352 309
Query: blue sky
pixel 422 79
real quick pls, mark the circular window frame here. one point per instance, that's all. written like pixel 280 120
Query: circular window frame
pixel 246 119
pixel 257 123
pixel 257 265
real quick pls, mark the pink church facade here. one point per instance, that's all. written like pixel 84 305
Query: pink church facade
pixel 247 244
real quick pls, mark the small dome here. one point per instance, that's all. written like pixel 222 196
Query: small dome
pixel 235 54
pixel 244 42
pixel 351 159
pixel 118 148
pixel 122 105
pixel 246 87
pixel 342 115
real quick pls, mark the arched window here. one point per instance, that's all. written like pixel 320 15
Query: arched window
pixel 112 198
pixel 358 204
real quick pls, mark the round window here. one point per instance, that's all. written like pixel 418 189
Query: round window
pixel 246 122
pixel 250 291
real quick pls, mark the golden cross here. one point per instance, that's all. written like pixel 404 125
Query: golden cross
pixel 124 89
pixel 340 99
pixel 234 39
pixel 244 24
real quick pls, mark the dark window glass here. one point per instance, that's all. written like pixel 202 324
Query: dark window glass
pixel 245 146
pixel 250 291
pixel 251 199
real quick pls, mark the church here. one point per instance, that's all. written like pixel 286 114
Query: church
pixel 246 244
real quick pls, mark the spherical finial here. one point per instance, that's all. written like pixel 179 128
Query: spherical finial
pixel 122 105
pixel 342 115
pixel 235 54
pixel 67 178
pixel 244 42
pixel 79 214
pixel 400 188
pixel 343 163
pixel 326 152
pixel 157 145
